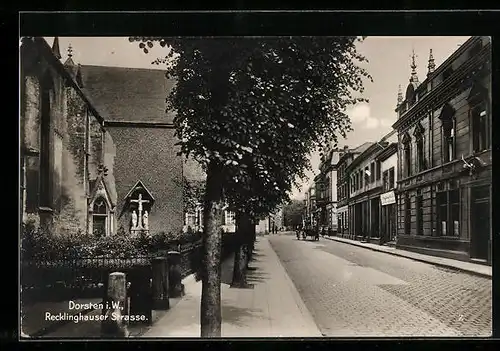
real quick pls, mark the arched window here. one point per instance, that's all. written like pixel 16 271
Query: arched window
pixel 478 101
pixel 407 169
pixel 100 217
pixel 419 141
pixel 447 118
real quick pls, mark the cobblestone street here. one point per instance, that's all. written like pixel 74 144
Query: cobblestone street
pixel 352 291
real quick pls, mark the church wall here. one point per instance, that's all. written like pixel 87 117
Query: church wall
pixel 149 155
pixel 72 216
pixel 65 211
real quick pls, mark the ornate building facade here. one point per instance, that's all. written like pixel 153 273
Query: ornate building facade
pixel 444 173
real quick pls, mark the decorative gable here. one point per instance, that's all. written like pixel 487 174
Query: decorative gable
pixel 419 130
pixel 477 93
pixel 138 203
pixel 406 138
pixel 139 187
pixel 99 189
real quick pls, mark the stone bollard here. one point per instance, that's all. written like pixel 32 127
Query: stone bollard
pixel 176 288
pixel 113 325
pixel 160 284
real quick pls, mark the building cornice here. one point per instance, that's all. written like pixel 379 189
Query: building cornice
pixel 373 191
pixel 387 152
pixel 446 89
pixel 365 155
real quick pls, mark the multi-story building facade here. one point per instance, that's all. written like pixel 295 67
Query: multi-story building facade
pixel 310 207
pixel 366 186
pixel 388 159
pixel 326 190
pixel 444 173
pixel 346 156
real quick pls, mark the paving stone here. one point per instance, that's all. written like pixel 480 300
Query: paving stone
pixel 353 291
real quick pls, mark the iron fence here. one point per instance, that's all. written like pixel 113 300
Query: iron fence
pixel 60 280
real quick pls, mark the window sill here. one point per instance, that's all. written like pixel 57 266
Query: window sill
pixel 44 209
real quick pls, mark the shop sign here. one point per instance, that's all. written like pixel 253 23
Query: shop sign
pixel 388 198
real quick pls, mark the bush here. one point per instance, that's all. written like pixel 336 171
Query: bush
pixel 40 245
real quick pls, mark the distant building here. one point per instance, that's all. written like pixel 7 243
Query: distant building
pixel 366 186
pixel 444 173
pixel 346 156
pixel 326 190
pixel 310 207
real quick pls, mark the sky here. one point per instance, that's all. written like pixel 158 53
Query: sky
pixel 389 61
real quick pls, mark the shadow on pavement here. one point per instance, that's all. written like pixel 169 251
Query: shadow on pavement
pixel 241 317
pixel 254 274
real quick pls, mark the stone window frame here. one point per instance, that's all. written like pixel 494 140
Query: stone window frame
pixel 448 129
pixel 419 135
pixel 478 99
pixel 407 159
pixel 101 215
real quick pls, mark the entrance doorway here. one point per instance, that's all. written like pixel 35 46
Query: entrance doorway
pixel 388 223
pixel 480 222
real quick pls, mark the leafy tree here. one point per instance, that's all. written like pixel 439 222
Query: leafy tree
pixel 193 191
pixel 292 213
pixel 251 111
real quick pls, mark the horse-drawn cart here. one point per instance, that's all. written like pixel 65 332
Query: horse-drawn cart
pixel 313 233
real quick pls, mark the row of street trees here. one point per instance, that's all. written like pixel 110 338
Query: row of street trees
pixel 250 111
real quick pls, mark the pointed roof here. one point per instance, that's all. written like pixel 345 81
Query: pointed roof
pixel 69 61
pixel 414 76
pixel 128 94
pixel 431 67
pixel 98 184
pixel 138 185
pixel 55 48
pixel 400 95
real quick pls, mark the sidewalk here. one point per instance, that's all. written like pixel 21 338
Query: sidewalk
pixel 468 267
pixel 272 308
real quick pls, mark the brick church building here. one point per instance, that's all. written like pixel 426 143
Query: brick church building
pixel 97 146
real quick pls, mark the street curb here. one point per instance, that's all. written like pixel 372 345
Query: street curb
pixel 443 265
pixel 296 296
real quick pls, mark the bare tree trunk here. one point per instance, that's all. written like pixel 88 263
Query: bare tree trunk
pixel 240 259
pixel 210 309
pixel 252 236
